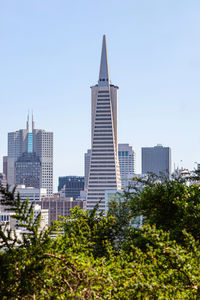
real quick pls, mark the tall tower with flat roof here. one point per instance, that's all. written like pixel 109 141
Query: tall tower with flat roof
pixel 104 171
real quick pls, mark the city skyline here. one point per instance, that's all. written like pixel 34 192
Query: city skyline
pixel 48 66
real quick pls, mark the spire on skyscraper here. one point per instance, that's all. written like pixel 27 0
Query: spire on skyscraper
pixel 104 77
pixel 33 123
pixel 27 122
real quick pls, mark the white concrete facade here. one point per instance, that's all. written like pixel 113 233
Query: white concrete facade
pixel 33 194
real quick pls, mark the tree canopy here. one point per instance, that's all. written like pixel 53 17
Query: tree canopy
pixel 93 256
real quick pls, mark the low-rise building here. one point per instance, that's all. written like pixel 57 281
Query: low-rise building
pixel 33 194
pixel 60 206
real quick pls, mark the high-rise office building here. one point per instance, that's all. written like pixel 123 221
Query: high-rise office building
pixel 87 158
pixel 104 171
pixel 156 160
pixel 71 186
pixel 43 147
pixel 38 146
pixel 126 163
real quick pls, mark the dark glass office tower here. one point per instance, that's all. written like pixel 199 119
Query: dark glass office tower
pixel 71 185
pixel 28 170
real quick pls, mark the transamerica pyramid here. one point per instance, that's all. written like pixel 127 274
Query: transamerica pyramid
pixel 104 171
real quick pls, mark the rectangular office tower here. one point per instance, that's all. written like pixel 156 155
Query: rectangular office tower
pixel 156 160
pixel 104 171
pixel 126 163
pixel 30 158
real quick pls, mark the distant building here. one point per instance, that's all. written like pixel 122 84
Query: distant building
pixel 83 196
pixel 71 186
pixel 60 206
pixel 36 145
pixel 44 222
pixel 126 163
pixel 33 194
pixel 87 166
pixel 3 180
pixel 156 160
pixel 5 163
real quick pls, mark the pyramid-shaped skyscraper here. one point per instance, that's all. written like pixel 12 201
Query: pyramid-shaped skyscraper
pixel 104 171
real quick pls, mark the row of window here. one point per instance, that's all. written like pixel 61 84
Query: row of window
pixel 100 110
pixel 103 123
pixel 103 96
pixel 102 115
pixel 93 178
pixel 103 181
pixel 103 134
pixel 100 173
pixel 105 168
pixel 4 218
pixel 101 119
pixel 123 153
pixel 103 129
pixel 107 164
pixel 101 159
pixel 104 154
pixel 103 106
pixel 99 100
pixel 106 160
pixel 102 150
pixel 102 138
pixel 105 117
pixel 103 110
pixel 99 115
pixel 103 142
pixel 98 148
pixel 95 194
pixel 103 186
pixel 110 126
pixel 95 202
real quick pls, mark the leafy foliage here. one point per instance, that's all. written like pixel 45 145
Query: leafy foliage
pixel 170 205
pixel 92 256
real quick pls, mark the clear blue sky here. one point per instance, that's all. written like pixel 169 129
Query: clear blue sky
pixel 50 55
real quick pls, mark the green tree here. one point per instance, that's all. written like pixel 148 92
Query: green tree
pixel 170 205
pixel 78 258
